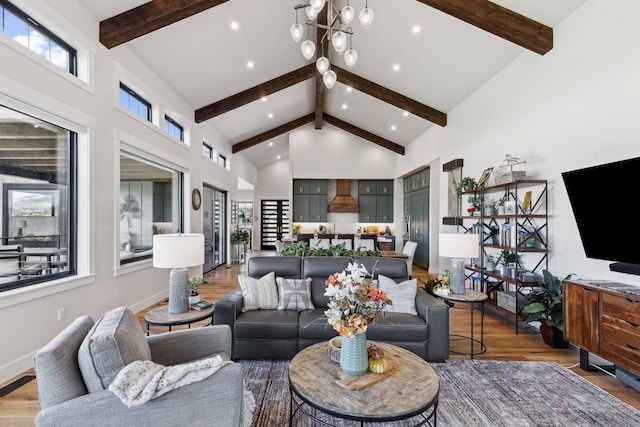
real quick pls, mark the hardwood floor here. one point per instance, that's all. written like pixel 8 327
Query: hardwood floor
pixel 19 407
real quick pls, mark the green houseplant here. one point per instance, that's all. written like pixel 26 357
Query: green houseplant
pixel 239 236
pixel 467 183
pixel 194 282
pixel 545 306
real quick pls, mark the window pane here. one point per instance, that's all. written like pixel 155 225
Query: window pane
pixel 59 56
pixel 39 43
pixel 16 28
pixel 207 150
pixel 38 197
pixel 149 204
pixel 134 103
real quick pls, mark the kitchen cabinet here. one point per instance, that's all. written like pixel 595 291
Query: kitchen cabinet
pixel 376 201
pixel 309 200
pixel 416 212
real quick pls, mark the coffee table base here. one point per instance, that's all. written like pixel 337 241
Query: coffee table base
pixel 297 404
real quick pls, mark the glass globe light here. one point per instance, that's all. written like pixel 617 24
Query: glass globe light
pixel 366 17
pixel 350 58
pixel 347 14
pixel 308 49
pixel 339 41
pixel 322 64
pixel 296 32
pixel 329 78
pixel 317 4
pixel 312 13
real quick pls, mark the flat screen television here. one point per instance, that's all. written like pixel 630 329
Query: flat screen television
pixel 603 200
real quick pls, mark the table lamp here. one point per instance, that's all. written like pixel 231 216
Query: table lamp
pixel 178 251
pixel 458 246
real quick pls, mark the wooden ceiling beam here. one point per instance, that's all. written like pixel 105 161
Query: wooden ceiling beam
pixel 265 136
pixel 149 17
pixel 239 99
pixel 320 91
pixel 391 97
pixel 499 21
pixel 347 127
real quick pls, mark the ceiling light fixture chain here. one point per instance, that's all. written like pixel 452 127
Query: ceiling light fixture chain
pixel 333 31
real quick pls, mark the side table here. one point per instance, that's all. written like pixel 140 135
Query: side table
pixel 160 316
pixel 472 300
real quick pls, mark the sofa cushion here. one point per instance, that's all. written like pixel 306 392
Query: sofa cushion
pixel 294 294
pixel 116 340
pixel 266 324
pixel 56 365
pixel 402 295
pixel 259 294
pixel 319 269
pixel 314 325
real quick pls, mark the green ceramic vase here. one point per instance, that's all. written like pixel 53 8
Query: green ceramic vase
pixel 353 355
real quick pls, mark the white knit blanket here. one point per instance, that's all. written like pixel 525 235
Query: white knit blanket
pixel 143 380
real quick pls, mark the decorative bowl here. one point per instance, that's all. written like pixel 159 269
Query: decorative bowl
pixel 333 348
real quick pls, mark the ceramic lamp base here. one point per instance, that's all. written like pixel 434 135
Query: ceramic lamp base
pixel 179 291
pixel 457 276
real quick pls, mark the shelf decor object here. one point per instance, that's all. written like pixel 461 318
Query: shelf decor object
pixel 178 252
pixel 458 247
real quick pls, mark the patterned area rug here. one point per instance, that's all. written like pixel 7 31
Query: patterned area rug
pixel 472 393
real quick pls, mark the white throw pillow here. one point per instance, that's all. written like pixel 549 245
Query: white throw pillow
pixel 259 294
pixel 294 294
pixel 402 295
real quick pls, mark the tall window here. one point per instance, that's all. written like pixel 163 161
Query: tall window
pixel 150 196
pixel 38 179
pixel 173 128
pixel 135 103
pixel 29 33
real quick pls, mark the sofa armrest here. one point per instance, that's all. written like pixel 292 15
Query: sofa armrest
pixel 436 314
pixel 217 397
pixel 189 344
pixel 228 308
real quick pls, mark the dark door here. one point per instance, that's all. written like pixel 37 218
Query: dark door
pixel 419 232
pixel 274 222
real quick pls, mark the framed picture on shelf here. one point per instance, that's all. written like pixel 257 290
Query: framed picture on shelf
pixel 484 179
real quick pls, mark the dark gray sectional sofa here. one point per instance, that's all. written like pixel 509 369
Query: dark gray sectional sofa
pixel 280 334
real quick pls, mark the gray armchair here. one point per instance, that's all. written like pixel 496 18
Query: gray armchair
pixel 63 384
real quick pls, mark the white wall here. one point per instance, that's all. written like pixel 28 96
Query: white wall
pixel 574 107
pixel 28 316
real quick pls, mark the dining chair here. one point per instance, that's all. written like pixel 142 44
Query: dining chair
pixel 347 243
pixel 319 243
pixel 409 249
pixel 367 244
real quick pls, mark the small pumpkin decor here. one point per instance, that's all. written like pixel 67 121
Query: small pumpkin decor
pixel 377 363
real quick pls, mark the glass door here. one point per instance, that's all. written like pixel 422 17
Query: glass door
pixel 275 222
pixel 214 227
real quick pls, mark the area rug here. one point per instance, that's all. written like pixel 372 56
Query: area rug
pixel 472 393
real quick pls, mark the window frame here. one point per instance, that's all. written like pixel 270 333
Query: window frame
pixel 174 123
pixel 209 148
pixel 135 95
pixel 72 61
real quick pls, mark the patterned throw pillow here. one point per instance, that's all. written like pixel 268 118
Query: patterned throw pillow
pixel 294 294
pixel 259 294
pixel 402 295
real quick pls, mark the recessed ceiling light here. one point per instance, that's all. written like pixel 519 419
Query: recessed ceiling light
pixel 263 99
pixel 349 88
pixel 406 114
pixel 250 64
pixel 278 157
pixel 416 29
pixel 271 144
pixel 235 25
pixel 344 106
pixel 393 127
pixel 271 115
pixel 396 67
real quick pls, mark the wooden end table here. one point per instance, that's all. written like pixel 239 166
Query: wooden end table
pixel 472 300
pixel 411 390
pixel 160 316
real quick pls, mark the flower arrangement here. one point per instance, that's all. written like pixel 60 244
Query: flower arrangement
pixel 354 301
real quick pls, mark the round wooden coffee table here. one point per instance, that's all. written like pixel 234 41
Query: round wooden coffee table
pixel 160 316
pixel 410 390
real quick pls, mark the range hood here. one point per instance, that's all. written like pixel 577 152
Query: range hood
pixel 343 202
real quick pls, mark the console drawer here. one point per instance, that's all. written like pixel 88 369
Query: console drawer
pixel 620 353
pixel 621 307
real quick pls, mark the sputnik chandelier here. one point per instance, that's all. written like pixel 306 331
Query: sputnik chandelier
pixel 336 18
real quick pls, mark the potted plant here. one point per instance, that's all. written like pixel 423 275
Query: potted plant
pixel 545 306
pixel 240 238
pixel 491 263
pixel 194 282
pixel 467 184
pixel 508 260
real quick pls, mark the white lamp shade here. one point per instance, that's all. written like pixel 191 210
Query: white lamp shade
pixel 347 14
pixel 339 41
pixel 322 64
pixel 178 250
pixel 296 32
pixel 312 12
pixel 366 17
pixel 318 4
pixel 350 58
pixel 456 245
pixel 308 49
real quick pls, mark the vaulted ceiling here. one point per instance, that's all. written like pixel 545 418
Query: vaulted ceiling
pixel 459 46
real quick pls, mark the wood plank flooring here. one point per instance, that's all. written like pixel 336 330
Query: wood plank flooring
pixel 19 407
